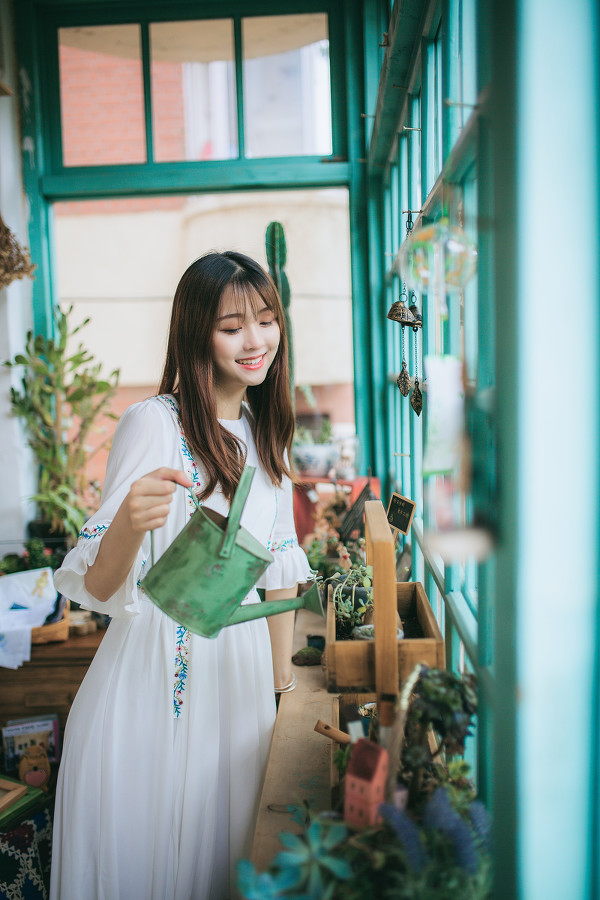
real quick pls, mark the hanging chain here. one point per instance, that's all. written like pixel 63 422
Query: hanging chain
pixel 416 356
pixel 416 399
pixel 403 380
pixel 403 349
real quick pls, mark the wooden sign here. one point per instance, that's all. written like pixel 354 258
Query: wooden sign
pixel 400 513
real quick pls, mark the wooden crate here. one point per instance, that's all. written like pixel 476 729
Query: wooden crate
pixel 350 665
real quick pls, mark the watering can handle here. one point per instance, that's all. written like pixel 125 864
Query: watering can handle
pixel 235 511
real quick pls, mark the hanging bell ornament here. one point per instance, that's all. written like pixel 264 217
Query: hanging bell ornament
pixel 403 380
pixel 416 399
pixel 399 313
pixel 418 318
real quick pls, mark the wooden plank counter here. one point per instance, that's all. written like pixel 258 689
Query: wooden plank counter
pixel 299 760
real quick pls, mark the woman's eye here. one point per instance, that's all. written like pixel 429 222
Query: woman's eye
pixel 268 322
pixel 230 330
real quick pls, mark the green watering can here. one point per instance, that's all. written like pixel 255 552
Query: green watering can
pixel 202 578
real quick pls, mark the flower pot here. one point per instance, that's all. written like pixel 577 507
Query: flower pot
pixel 315 460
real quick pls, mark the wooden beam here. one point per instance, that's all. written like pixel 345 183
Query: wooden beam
pixel 381 555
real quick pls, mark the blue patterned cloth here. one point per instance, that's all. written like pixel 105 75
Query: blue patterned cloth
pixel 25 853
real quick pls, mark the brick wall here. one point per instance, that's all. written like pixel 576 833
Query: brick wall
pixel 102 108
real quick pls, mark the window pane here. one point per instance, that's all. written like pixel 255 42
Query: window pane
pixel 193 90
pixel 287 94
pixel 101 95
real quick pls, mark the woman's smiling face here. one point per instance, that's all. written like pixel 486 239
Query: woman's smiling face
pixel 244 343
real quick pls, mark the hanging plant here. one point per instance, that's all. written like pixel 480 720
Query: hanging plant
pixel 15 261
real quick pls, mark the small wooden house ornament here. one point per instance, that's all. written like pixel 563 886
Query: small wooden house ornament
pixel 365 783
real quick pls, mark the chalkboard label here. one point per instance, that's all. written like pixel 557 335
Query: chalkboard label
pixel 400 513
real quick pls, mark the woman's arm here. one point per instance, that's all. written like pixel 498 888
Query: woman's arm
pixel 145 508
pixel 281 631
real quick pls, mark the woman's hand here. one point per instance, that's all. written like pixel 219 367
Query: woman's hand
pixel 149 499
pixel 145 507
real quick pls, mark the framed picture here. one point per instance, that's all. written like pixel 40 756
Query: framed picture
pixel 20 734
pixel 10 792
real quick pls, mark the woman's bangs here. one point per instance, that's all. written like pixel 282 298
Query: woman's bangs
pixel 248 296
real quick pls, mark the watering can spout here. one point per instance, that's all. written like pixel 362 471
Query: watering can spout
pixel 311 601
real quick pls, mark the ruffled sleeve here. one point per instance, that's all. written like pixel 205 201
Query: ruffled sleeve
pixel 143 441
pixel 290 565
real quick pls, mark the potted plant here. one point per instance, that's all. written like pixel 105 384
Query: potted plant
pixel 61 397
pixel 352 597
pixel 444 857
pixel 315 454
pixel 437 847
pixel 35 556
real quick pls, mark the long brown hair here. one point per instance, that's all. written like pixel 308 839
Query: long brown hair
pixel 189 372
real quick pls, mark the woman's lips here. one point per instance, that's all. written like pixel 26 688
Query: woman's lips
pixel 252 362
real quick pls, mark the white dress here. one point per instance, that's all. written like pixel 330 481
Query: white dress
pixel 166 743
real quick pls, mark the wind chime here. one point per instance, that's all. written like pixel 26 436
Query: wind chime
pixel 408 316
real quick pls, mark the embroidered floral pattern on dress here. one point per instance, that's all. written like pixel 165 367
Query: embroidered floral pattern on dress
pixel 182 641
pixel 182 652
pixel 281 546
pixel 139 581
pixel 94 531
pixel 191 467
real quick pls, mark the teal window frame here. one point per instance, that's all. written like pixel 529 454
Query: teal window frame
pixel 428 162
pixel 62 182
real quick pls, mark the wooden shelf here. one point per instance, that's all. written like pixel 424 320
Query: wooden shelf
pixel 299 761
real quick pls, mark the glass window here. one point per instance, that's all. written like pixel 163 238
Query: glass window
pixel 101 95
pixel 193 90
pixel 287 91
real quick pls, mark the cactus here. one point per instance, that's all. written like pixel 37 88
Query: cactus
pixel 276 258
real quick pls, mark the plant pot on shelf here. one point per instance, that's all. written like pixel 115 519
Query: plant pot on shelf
pixel 350 664
pixel 356 595
pixel 315 460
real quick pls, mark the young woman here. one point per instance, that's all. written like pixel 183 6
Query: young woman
pixel 167 740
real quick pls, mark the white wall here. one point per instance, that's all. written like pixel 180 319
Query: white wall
pixel 16 473
pixel 121 269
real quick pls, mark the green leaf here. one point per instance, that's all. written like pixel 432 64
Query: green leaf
pixel 293 841
pixel 338 867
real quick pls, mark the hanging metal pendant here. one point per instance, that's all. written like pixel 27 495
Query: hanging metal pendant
pixel 403 380
pixel 418 318
pixel 399 313
pixel 414 309
pixel 416 399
